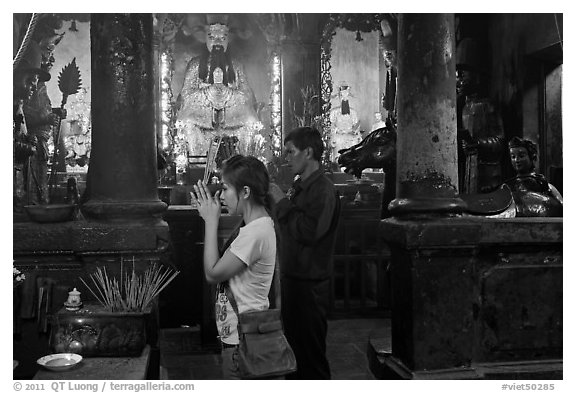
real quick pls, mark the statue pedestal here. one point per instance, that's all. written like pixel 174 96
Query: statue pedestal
pixel 473 298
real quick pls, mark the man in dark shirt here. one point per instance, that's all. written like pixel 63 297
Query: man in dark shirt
pixel 307 216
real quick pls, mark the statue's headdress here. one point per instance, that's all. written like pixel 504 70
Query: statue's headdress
pixel 343 85
pixel 198 24
pixel 473 55
pixel 389 36
pixel 530 146
pixel 221 19
pixel 31 62
pixel 218 28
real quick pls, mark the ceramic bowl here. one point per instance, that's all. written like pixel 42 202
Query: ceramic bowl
pixel 51 213
pixel 59 361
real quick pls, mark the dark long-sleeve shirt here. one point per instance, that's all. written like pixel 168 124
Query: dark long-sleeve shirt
pixel 308 228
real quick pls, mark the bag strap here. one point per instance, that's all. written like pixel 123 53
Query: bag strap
pixel 225 284
pixel 276 283
pixel 230 296
pixel 233 236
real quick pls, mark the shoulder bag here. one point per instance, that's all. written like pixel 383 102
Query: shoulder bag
pixel 263 350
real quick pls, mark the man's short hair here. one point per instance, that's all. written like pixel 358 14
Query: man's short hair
pixel 303 137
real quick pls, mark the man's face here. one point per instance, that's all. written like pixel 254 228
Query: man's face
pixel 217 36
pixel 296 158
pixel 521 160
pixel 345 94
pixel 25 84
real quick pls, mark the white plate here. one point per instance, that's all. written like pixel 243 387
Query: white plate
pixel 60 361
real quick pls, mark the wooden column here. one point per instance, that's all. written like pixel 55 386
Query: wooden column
pixel 427 168
pixel 122 178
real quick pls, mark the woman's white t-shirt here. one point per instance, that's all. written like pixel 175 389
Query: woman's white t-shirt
pixel 256 247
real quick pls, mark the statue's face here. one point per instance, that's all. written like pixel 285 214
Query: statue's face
pixel 47 46
pixel 25 84
pixel 521 160
pixel 465 82
pixel 345 94
pixel 217 34
pixel 389 58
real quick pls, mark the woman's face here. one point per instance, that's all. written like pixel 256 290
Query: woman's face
pixel 521 160
pixel 229 197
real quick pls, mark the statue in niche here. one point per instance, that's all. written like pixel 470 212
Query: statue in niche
pixel 480 130
pixel 78 146
pixel 344 121
pixel 533 195
pixel 216 99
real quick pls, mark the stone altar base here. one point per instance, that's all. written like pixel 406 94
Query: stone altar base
pixel 55 255
pixel 473 298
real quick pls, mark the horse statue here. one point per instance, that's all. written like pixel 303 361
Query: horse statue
pixel 378 150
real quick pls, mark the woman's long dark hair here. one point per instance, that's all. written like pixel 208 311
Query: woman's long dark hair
pixel 241 171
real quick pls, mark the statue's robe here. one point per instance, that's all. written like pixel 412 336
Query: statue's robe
pixel 208 111
pixel 345 130
pixel 535 197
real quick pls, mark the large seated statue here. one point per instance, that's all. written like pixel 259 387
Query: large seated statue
pixel 216 99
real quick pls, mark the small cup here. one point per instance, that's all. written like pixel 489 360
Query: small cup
pixel 74 302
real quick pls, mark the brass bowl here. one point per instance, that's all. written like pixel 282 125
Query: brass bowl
pixel 51 213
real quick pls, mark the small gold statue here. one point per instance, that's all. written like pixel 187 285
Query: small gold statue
pixel 533 195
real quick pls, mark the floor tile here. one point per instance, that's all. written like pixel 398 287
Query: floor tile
pixel 346 346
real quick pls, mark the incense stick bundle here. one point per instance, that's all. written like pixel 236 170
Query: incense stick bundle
pixel 211 159
pixel 133 292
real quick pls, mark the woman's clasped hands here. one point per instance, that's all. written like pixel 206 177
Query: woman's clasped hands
pixel 208 206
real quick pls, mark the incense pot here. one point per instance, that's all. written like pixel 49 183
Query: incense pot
pixel 93 331
pixel 118 324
